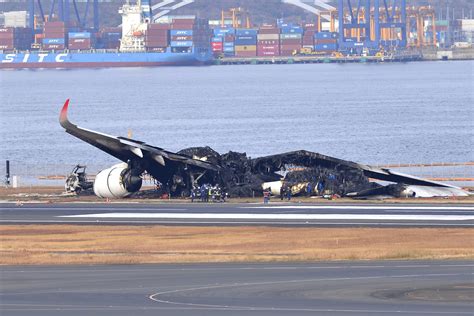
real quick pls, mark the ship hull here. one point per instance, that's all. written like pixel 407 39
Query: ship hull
pixel 61 60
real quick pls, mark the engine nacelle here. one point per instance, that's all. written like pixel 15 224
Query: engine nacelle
pixel 117 182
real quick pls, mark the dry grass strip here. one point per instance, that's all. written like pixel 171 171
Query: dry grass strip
pixel 68 244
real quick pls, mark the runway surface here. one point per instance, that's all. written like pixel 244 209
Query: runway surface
pixel 340 288
pixel 278 214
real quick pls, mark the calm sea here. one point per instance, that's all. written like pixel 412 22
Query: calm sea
pixel 386 113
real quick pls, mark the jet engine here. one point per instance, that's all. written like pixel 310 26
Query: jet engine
pixel 118 181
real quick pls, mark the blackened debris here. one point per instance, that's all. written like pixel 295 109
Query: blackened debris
pixel 243 176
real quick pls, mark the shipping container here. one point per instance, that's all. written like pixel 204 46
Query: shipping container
pixel 54 24
pixel 181 32
pixel 229 44
pixel 6 30
pixel 181 38
pixel 291 30
pixel 290 36
pixel 53 41
pixel 158 26
pixel 246 32
pixel 243 48
pixel 53 47
pixel 325 47
pixel 181 44
pixel 268 53
pixel 268 31
pixel 323 35
pixel 228 49
pixel 325 41
pixel 290 42
pixel 268 36
pixel 79 35
pixel 273 42
pixel 246 40
pixel 245 53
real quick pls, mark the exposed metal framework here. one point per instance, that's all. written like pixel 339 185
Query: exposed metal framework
pixel 372 23
pixel 314 6
pixel 61 9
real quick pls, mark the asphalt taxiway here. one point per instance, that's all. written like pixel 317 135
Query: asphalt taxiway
pixel 338 288
pixel 278 214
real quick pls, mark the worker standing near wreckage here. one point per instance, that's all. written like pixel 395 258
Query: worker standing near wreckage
pixel 266 196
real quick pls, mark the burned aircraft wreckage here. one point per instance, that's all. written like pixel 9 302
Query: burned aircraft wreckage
pixel 239 175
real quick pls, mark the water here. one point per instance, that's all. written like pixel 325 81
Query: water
pixel 385 113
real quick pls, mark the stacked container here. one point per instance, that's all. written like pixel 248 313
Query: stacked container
pixel 217 45
pixel 181 34
pixel 54 36
pixel 15 38
pixel 246 42
pixel 290 39
pixel 110 37
pixel 79 40
pixel 268 41
pixel 308 35
pixel 157 37
pixel 227 37
pixel 325 42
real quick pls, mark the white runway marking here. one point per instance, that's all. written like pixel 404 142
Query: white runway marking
pixel 241 216
pixel 364 207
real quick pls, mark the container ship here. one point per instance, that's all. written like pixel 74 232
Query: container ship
pixel 179 40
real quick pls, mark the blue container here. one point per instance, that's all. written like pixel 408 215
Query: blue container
pixel 291 29
pixel 229 44
pixel 246 40
pixel 181 32
pixel 181 43
pixel 323 47
pixel 323 35
pixel 222 31
pixel 53 41
pixel 216 39
pixel 229 49
pixel 246 32
pixel 79 35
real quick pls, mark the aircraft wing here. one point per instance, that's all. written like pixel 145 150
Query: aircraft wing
pixel 127 149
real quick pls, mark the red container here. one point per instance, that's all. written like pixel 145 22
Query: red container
pixel 290 41
pixel 6 46
pixel 54 24
pixel 6 35
pixel 157 49
pixel 288 47
pixel 246 54
pixel 175 26
pixel 183 20
pixel 6 30
pixel 308 41
pixel 6 41
pixel 181 38
pixel 53 46
pixel 54 35
pixel 268 47
pixel 156 32
pixel 268 53
pixel 268 42
pixel 216 46
pixel 269 31
pixel 229 38
pixel 84 45
pixel 158 26
pixel 310 26
pixel 325 41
